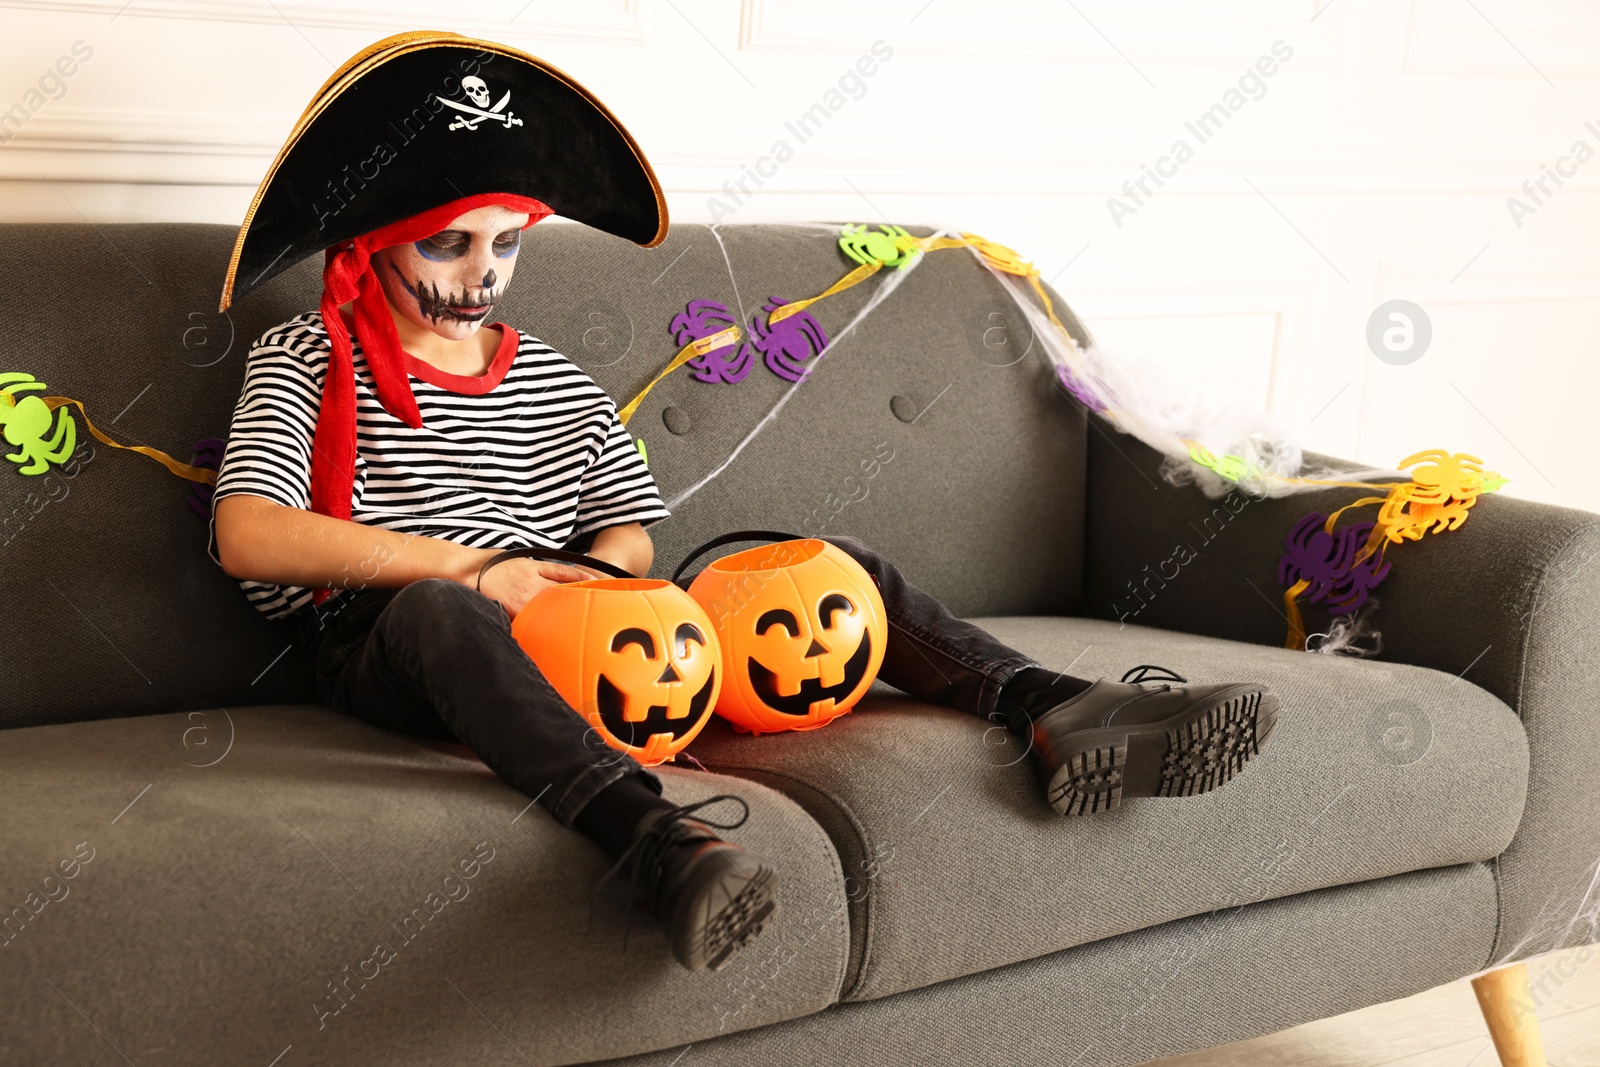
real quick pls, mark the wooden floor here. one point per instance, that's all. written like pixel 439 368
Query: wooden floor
pixel 1439 1028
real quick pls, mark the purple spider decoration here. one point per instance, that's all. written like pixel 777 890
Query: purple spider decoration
pixel 1327 562
pixel 208 454
pixel 1071 384
pixel 702 318
pixel 790 343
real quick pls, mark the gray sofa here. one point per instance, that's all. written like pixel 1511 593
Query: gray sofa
pixel 255 878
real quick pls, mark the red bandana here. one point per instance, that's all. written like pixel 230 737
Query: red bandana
pixel 348 276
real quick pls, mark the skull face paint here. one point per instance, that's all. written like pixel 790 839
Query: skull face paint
pixel 449 283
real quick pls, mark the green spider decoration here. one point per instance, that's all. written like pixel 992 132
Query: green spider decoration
pixel 26 421
pixel 866 247
pixel 1230 467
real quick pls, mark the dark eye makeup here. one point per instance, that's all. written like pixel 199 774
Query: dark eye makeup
pixel 453 244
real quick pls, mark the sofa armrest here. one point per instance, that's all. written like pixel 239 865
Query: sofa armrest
pixel 1507 602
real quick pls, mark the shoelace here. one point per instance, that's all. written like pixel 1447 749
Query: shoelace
pixel 646 852
pixel 1143 672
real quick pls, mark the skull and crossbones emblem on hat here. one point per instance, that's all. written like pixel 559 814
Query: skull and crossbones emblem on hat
pixel 477 91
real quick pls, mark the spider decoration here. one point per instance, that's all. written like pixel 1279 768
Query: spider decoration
pixel 27 421
pixel 208 454
pixel 884 247
pixel 703 318
pixel 1324 566
pixel 1450 477
pixel 1438 496
pixel 1071 383
pixel 1229 466
pixel 790 343
pixel 1402 518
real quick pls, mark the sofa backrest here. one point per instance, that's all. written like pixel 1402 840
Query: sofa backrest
pixel 932 429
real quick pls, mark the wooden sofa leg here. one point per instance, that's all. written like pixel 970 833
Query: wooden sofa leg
pixel 1507 1006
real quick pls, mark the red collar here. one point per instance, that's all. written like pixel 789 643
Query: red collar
pixel 465 384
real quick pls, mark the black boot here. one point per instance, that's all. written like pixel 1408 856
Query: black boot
pixel 712 896
pixel 1117 740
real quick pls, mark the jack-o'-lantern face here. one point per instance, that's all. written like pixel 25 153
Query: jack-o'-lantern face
pixel 647 687
pixel 802 628
pixel 636 657
pixel 816 654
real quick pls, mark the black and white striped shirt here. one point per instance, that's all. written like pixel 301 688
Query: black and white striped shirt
pixel 530 454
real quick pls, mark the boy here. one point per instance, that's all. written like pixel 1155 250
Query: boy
pixel 386 446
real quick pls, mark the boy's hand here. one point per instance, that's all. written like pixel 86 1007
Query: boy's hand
pixel 517 581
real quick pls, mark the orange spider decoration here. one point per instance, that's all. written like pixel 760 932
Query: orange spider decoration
pixel 1437 497
pixel 1403 517
pixel 1453 477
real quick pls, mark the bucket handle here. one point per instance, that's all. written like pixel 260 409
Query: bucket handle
pixel 725 539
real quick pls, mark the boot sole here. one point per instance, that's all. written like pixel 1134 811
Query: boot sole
pixel 1191 753
pixel 725 912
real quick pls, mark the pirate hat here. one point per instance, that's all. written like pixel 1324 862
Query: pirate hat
pixel 420 119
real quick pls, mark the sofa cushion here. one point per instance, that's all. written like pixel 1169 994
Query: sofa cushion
pixel 128 615
pixel 1175 988
pixel 955 864
pixel 213 886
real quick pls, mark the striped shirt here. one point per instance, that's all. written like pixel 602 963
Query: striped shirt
pixel 531 454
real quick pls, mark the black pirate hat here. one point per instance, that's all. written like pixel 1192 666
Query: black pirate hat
pixel 420 119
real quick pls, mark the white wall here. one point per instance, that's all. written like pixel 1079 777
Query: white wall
pixel 1374 163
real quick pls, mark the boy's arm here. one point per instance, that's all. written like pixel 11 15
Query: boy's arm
pixel 262 524
pixel 264 541
pixel 626 545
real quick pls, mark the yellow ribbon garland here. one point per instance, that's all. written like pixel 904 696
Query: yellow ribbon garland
pixel 182 470
pixel 1001 257
pixel 685 354
pixel 1291 608
pixel 860 274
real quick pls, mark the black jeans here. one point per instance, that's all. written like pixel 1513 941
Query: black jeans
pixel 435 659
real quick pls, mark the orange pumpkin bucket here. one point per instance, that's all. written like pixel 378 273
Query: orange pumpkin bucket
pixel 801 626
pixel 636 657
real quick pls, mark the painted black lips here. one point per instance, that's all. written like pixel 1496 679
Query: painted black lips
pixel 612 702
pixel 811 689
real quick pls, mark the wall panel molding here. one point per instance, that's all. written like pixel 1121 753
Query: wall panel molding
pixel 1145 31
pixel 1195 294
pixel 592 21
pixel 1450 37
